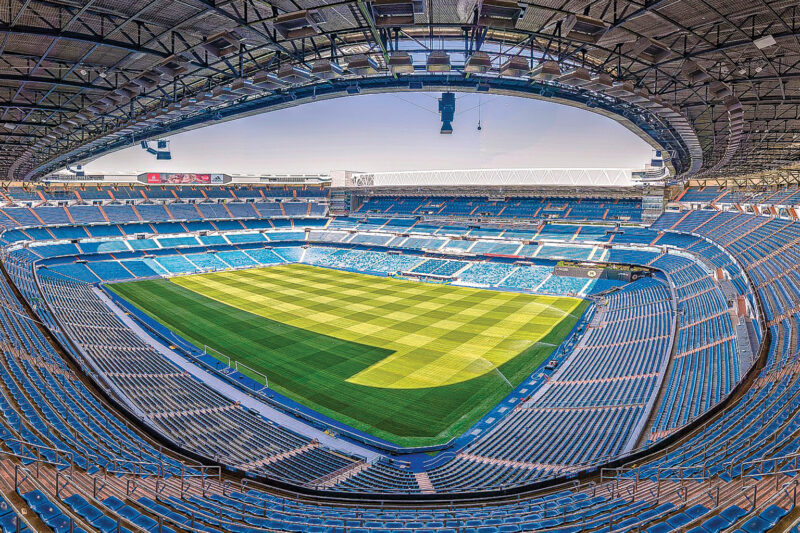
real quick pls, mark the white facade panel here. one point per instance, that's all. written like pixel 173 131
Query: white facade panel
pixel 600 177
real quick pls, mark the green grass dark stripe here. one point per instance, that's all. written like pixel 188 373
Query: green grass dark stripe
pixel 312 368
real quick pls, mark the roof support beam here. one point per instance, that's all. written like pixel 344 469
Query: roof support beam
pixel 37 107
pixel 53 81
pixel 80 37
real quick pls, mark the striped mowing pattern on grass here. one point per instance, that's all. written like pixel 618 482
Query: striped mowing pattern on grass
pixel 439 335
pixel 333 340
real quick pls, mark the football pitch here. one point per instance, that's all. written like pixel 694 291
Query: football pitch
pixel 410 362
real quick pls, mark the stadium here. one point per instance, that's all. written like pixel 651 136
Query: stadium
pixel 407 351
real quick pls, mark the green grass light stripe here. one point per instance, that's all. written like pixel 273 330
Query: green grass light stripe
pixel 313 366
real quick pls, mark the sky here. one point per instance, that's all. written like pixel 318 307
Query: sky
pixel 387 132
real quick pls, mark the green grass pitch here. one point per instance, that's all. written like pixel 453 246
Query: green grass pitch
pixel 413 363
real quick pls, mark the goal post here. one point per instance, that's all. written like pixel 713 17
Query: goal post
pixel 263 376
pixel 222 356
pixel 234 364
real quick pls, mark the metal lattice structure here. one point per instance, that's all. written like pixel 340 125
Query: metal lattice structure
pixel 715 83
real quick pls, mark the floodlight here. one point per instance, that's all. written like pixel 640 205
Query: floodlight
pixel 390 13
pixel 326 70
pixel 221 44
pixel 362 65
pixel 298 24
pixel 438 61
pixel 514 67
pixel 546 71
pixel 478 63
pixel 401 63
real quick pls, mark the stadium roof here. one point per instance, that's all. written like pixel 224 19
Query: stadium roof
pixel 713 82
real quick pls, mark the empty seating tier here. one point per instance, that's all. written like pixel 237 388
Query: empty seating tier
pixel 655 355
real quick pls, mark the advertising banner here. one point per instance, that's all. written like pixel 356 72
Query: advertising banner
pixel 183 178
